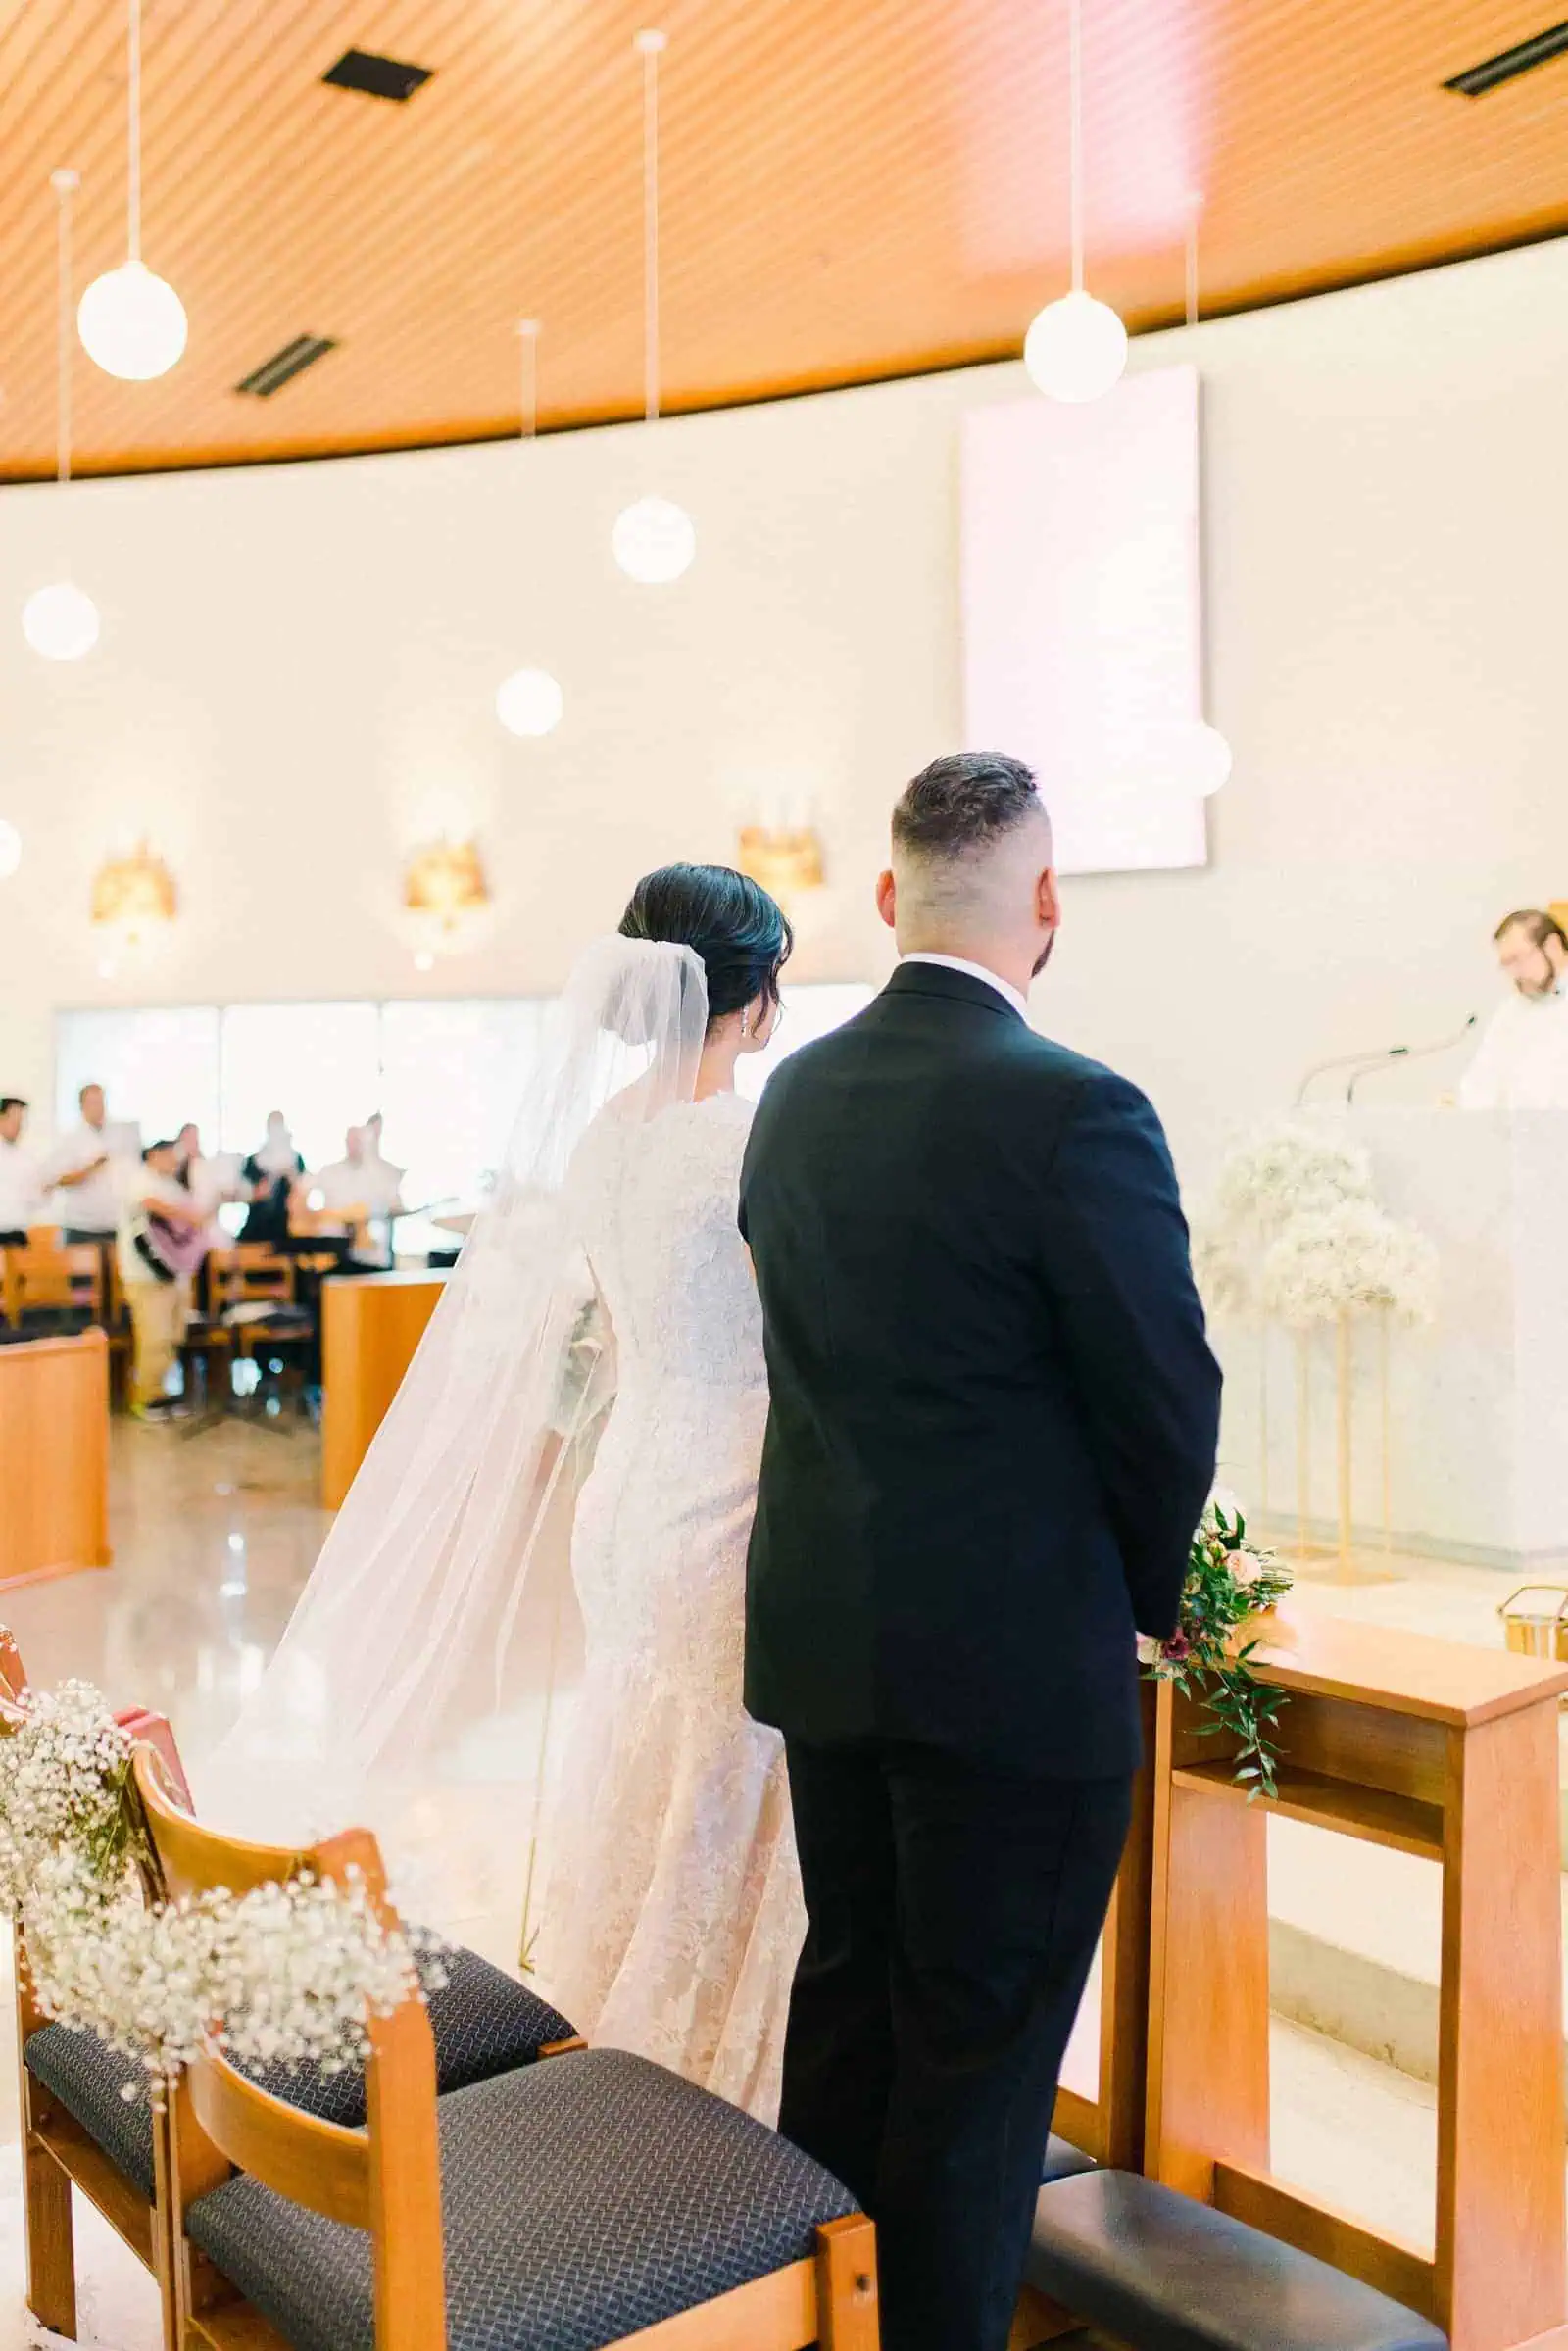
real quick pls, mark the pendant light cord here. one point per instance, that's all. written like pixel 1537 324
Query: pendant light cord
pixel 65 185
pixel 1075 138
pixel 650 47
pixel 133 133
pixel 528 389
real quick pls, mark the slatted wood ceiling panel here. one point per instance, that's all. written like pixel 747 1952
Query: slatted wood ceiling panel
pixel 854 188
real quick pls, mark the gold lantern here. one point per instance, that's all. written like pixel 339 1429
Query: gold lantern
pixel 134 896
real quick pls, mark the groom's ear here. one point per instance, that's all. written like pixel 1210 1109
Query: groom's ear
pixel 887 900
pixel 1050 900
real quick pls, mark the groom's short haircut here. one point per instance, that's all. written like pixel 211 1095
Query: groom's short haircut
pixel 963 804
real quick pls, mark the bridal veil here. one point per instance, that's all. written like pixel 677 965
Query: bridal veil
pixel 414 1687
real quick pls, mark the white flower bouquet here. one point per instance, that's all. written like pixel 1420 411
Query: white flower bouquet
pixel 286 1975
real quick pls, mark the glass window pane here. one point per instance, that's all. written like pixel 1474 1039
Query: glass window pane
pixel 159 1068
pixel 451 1088
pixel 808 1012
pixel 319 1064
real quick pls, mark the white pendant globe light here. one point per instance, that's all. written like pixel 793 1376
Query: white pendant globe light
pixel 1076 348
pixel 654 540
pixel 530 702
pixel 10 849
pixel 60 620
pixel 131 322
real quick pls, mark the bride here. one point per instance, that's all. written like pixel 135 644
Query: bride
pixel 417 1686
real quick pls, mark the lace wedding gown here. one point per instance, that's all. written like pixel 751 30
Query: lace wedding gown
pixel 672 1917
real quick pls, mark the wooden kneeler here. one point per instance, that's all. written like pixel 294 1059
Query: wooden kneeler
pixel 385 2180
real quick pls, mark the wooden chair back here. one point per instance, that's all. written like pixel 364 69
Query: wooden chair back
pixel 249 1271
pixel 52 1276
pixel 384 2178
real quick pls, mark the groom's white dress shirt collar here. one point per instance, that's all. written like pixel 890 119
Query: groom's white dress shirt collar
pixel 977 972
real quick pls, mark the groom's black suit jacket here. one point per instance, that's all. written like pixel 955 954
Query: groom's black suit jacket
pixel 994 1409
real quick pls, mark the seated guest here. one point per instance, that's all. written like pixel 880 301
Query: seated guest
pixel 20 1177
pixel 82 1167
pixel 355 1190
pixel 163 1237
pixel 270 1175
pixel 1522 1060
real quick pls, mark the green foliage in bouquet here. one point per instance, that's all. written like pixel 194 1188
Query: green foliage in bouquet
pixel 1228 1581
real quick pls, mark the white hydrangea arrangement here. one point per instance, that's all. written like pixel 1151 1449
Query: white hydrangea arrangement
pixel 293 1971
pixel 1348 1258
pixel 1294 1231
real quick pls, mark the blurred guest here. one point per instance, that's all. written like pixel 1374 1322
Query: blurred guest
pixel 270 1175
pixel 357 1190
pixel 208 1182
pixel 160 1241
pixel 21 1175
pixel 82 1167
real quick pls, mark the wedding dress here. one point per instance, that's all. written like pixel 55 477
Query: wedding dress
pixel 419 1686
pixel 672 1917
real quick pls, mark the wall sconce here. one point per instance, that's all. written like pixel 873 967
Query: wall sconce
pixel 134 896
pixel 445 884
pixel 785 860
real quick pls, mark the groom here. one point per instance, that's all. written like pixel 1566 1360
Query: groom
pixel 992 1430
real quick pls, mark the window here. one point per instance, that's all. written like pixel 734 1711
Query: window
pixel 319 1064
pixel 448 1078
pixel 159 1069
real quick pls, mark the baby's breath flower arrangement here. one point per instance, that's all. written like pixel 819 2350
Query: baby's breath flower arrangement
pixel 286 1975
pixel 1229 1579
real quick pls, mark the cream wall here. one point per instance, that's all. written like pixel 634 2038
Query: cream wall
pixel 296 675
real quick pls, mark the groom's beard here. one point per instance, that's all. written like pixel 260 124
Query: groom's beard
pixel 1045 956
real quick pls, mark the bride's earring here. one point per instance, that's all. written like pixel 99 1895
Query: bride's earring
pixel 746 1021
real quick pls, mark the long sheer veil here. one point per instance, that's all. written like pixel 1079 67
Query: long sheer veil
pixel 412 1689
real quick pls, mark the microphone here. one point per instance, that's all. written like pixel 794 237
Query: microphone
pixel 1409 1052
pixel 1363 1063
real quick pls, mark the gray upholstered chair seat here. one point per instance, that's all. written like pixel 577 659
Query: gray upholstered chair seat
pixel 581 2200
pixel 1170 2274
pixel 1063 2161
pixel 483 2023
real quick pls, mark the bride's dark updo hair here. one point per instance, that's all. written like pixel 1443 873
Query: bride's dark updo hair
pixel 741 935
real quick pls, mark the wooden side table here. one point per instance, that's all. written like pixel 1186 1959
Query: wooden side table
pixel 1428 1747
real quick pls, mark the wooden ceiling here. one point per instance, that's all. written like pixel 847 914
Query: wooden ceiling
pixel 853 189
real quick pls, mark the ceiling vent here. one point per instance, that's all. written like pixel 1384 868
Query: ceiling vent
pixel 377 77
pixel 283 365
pixel 1509 64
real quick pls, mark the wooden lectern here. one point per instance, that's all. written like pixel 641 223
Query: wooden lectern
pixel 371 1326
pixel 54 1457
pixel 1432 1748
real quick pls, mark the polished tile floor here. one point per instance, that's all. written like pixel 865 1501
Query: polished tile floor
pixel 214 1537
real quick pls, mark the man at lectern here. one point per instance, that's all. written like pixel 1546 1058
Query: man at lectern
pixel 1522 1060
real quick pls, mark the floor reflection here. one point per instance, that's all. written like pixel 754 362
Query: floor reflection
pixel 214 1536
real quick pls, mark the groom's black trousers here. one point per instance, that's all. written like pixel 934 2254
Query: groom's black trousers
pixel 954 1915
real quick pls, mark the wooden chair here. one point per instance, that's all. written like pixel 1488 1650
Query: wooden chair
pixel 51 1285
pixel 247 1277
pixel 597 2182
pixel 78 2127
